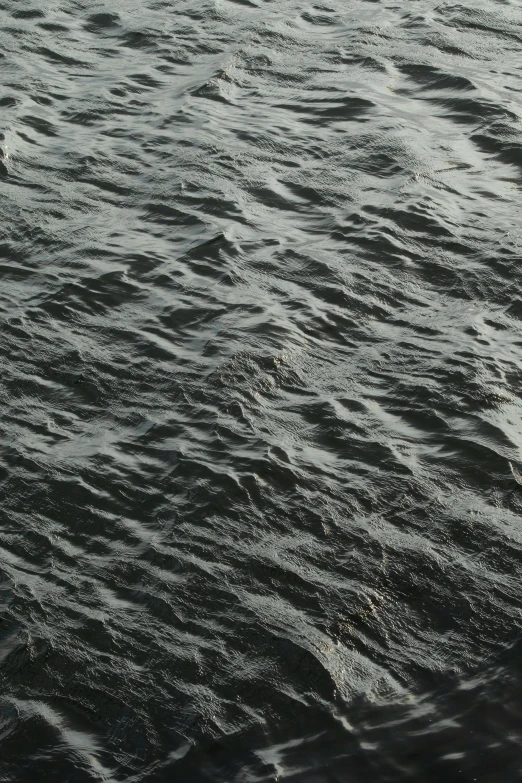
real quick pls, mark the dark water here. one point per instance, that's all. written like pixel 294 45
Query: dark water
pixel 261 339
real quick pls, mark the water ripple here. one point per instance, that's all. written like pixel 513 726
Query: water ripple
pixel 261 326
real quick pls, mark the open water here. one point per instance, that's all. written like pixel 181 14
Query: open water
pixel 261 367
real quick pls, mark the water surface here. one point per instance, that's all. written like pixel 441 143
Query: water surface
pixel 260 343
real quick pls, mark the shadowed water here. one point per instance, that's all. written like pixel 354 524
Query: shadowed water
pixel 260 444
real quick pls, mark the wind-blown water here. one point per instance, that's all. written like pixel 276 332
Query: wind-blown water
pixel 261 391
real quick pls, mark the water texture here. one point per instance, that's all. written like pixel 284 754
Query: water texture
pixel 260 443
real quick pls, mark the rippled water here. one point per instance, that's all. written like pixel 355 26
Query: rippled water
pixel 261 367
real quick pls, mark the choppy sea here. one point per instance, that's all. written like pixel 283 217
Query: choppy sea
pixel 260 391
